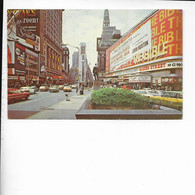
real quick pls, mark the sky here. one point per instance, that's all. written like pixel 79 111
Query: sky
pixel 85 25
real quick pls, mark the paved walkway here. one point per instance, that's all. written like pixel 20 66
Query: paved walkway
pixel 64 109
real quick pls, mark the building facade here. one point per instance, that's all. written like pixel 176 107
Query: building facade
pixel 149 54
pixel 23 47
pixel 51 44
pixel 34 46
pixel 74 68
pixel 82 63
pixel 108 37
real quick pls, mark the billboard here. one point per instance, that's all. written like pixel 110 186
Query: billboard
pixel 158 37
pixel 10 52
pixel 32 60
pixel 30 20
pixel 19 55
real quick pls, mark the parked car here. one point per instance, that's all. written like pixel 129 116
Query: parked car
pixel 16 94
pixel 35 88
pixel 74 86
pixel 44 88
pixel 170 96
pixel 54 88
pixel 143 92
pixel 67 89
pixel 146 89
pixel 60 87
pixel 27 89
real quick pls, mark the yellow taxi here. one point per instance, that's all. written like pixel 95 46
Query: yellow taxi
pixel 171 96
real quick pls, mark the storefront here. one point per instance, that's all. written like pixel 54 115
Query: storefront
pixel 140 81
pixel 16 81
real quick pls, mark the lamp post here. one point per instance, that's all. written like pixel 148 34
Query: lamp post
pixel 64 45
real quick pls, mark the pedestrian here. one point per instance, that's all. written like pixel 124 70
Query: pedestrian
pixel 77 88
pixel 82 90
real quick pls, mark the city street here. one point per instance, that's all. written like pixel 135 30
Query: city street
pixel 36 103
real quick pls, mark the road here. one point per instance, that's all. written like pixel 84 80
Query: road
pixel 36 103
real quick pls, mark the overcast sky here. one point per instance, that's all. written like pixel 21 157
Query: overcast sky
pixel 86 25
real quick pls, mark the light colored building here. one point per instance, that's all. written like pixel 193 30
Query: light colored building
pixel 108 37
pixel 82 62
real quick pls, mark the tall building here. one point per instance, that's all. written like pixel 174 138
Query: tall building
pixel 75 66
pixel 108 37
pixel 35 46
pixel 82 62
pixel 51 43
pixel 75 59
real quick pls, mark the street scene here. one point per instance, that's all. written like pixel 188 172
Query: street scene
pixel 103 66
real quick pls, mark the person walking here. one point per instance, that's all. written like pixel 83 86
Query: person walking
pixel 82 90
pixel 77 89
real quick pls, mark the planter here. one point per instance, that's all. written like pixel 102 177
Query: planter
pixel 162 113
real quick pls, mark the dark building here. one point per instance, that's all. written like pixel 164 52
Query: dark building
pixel 35 45
pixel 51 43
pixel 108 37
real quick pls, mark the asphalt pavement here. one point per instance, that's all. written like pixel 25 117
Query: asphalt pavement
pixel 46 105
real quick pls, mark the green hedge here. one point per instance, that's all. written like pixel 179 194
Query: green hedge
pixel 117 97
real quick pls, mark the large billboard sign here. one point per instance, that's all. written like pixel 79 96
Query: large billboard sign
pixel 29 37
pixel 158 37
pixel 29 19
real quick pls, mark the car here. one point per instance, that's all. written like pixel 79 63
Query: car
pixel 60 87
pixel 170 96
pixel 146 89
pixel 67 89
pixel 43 88
pixel 74 86
pixel 54 88
pixel 27 89
pixel 143 92
pixel 16 94
pixel 35 88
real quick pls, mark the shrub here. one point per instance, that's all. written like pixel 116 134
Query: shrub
pixel 116 97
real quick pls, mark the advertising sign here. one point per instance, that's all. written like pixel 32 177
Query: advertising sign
pixel 11 71
pixel 29 19
pixel 10 52
pixel 32 60
pixel 158 37
pixel 42 65
pixel 139 79
pixel 29 37
pixel 160 66
pixel 19 55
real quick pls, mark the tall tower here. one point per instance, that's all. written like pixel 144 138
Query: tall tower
pixel 106 21
pixel 108 37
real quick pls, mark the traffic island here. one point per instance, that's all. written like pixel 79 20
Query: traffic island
pixel 163 113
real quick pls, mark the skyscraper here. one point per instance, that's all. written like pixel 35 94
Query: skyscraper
pixel 108 37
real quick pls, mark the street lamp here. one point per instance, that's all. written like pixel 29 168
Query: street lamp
pixel 64 45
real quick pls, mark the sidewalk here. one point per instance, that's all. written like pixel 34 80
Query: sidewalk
pixel 64 109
